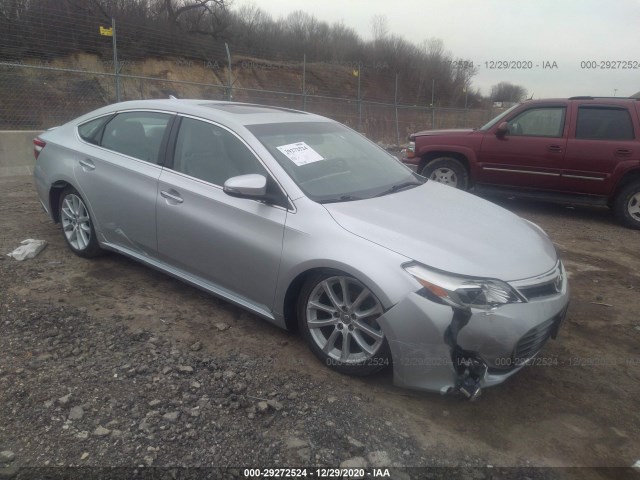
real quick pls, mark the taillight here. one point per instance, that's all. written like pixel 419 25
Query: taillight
pixel 38 145
pixel 411 150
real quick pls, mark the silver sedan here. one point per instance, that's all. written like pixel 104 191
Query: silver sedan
pixel 311 226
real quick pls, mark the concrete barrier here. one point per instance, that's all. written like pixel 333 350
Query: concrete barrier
pixel 16 152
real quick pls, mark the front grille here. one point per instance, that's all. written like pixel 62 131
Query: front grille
pixel 546 285
pixel 537 291
pixel 533 341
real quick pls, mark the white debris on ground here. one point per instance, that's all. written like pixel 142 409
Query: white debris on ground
pixel 28 248
pixel 636 466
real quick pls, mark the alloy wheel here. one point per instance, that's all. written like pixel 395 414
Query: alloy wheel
pixel 341 315
pixel 76 222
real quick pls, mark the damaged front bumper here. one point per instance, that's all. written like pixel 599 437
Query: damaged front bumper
pixel 439 348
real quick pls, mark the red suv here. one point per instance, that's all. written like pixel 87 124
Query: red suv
pixel 576 150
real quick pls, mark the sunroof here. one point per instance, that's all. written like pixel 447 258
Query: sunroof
pixel 246 109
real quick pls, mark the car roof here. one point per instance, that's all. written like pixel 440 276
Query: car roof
pixel 587 99
pixel 225 111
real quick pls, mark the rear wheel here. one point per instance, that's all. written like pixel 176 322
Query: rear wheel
pixel 337 316
pixel 77 227
pixel 448 171
pixel 627 205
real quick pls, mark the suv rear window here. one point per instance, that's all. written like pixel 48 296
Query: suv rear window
pixel 604 123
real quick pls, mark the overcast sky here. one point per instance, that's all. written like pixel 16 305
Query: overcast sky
pixel 566 32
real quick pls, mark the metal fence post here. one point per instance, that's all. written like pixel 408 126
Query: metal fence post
pixel 433 111
pixel 116 69
pixel 466 101
pixel 395 102
pixel 304 82
pixel 229 88
pixel 359 100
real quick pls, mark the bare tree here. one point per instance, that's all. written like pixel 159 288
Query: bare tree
pixel 508 92
pixel 250 25
pixel 380 27
pixel 184 28
pixel 175 8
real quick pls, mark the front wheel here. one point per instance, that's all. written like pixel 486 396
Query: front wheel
pixel 627 205
pixel 337 316
pixel 77 227
pixel 448 171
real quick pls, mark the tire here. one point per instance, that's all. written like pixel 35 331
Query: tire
pixel 627 205
pixel 325 319
pixel 77 227
pixel 448 171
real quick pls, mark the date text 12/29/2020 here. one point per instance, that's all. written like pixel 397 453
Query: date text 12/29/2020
pixel 506 64
pixel 316 472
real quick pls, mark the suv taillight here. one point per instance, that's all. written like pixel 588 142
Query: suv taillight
pixel 38 145
pixel 411 150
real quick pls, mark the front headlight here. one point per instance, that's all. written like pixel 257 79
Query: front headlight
pixel 463 292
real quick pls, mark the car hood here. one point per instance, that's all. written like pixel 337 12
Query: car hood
pixel 450 230
pixel 451 131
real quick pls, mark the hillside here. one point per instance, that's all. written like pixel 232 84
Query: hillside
pixel 41 94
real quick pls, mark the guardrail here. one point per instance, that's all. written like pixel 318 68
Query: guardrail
pixel 16 152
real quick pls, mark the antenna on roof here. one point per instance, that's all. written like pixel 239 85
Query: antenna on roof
pixel 171 97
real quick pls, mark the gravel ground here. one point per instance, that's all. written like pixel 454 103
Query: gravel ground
pixel 107 363
pixel 77 392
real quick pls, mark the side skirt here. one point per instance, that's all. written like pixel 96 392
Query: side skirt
pixel 221 292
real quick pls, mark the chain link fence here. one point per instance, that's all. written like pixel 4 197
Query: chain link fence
pixel 39 90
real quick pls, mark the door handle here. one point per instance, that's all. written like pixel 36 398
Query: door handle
pixel 87 164
pixel 623 152
pixel 554 148
pixel 172 196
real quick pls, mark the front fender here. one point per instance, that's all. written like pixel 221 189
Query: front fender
pixel 377 267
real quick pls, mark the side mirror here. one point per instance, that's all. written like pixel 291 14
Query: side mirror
pixel 502 129
pixel 246 186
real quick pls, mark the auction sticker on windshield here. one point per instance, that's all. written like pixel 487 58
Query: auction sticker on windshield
pixel 300 153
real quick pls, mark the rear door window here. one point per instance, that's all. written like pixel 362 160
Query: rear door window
pixel 137 134
pixel 604 123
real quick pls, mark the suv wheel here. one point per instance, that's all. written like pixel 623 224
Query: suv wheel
pixel 627 205
pixel 447 171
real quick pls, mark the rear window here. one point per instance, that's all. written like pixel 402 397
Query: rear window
pixel 90 131
pixel 604 123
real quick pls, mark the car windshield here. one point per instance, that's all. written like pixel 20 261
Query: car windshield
pixel 495 120
pixel 332 163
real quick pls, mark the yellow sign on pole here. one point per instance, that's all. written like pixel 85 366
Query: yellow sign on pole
pixel 107 32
